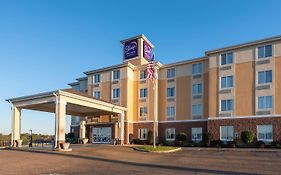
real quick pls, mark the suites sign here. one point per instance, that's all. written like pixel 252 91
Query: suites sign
pixel 147 51
pixel 131 49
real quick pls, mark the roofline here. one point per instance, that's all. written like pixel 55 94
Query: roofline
pixel 82 78
pixel 38 95
pixel 136 37
pixel 185 62
pixel 73 84
pixel 246 44
pixel 118 66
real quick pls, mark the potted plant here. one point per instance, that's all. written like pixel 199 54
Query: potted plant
pixel 85 140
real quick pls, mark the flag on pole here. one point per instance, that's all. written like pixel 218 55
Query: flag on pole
pixel 150 68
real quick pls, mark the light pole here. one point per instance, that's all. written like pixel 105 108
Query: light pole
pixel 30 144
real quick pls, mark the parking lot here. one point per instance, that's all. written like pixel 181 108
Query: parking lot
pixel 107 159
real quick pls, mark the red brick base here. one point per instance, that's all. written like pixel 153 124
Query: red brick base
pixel 243 124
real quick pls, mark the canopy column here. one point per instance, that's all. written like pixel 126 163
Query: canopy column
pixel 15 137
pixel 122 127
pixel 60 122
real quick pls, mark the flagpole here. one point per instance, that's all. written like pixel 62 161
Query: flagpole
pixel 155 106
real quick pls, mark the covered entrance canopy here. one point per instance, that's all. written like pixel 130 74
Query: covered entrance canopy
pixel 62 103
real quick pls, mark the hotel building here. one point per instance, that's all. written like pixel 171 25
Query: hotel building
pixel 224 92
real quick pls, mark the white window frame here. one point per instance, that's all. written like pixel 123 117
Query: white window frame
pixel 196 70
pixel 171 73
pixel 118 72
pixel 227 139
pixel 227 59
pixel 197 89
pixel 168 94
pixel 227 85
pixel 113 95
pixel 95 80
pixel 169 132
pixel 264 102
pixel 99 94
pixel 201 109
pixel 140 109
pixel 264 76
pixel 264 139
pixel 143 132
pixel 171 116
pixel 264 57
pixel 143 93
pixel 143 74
pixel 199 135
pixel 226 106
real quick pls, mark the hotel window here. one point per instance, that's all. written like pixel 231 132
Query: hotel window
pixel 96 78
pixel 170 112
pixel 115 93
pixel 226 133
pixel 143 111
pixel 116 75
pixel 97 94
pixel 143 93
pixel 196 134
pixel 143 133
pixel 226 58
pixel 196 89
pixel 143 74
pixel 226 82
pixel 171 73
pixel 265 77
pixel 197 109
pixel 171 92
pixel 265 133
pixel 265 102
pixel 170 133
pixel 226 105
pixel 265 51
pixel 197 68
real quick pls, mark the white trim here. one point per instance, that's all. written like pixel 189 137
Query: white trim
pixel 178 121
pixel 242 117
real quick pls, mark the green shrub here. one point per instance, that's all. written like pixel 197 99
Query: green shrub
pixel 247 137
pixel 169 143
pixel 138 142
pixel 131 138
pixel 150 138
pixel 276 144
pixel 181 136
pixel 216 143
pixel 207 138
pixel 231 144
pixel 260 144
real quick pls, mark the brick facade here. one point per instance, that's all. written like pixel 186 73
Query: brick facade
pixel 243 124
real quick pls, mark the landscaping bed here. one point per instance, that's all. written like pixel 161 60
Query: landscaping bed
pixel 150 148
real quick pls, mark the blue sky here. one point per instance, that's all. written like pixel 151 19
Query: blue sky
pixel 46 44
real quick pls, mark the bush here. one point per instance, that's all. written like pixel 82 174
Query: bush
pixel 216 143
pixel 207 137
pixel 231 144
pixel 181 136
pixel 131 138
pixel 138 142
pixel 247 137
pixel 276 144
pixel 260 144
pixel 169 143
pixel 150 138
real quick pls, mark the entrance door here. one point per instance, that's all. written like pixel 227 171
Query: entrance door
pixel 102 135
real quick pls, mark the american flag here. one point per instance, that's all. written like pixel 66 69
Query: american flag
pixel 150 69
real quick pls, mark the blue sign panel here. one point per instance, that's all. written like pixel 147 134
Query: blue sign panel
pixel 131 49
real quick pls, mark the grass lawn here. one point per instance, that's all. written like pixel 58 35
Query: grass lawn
pixel 158 148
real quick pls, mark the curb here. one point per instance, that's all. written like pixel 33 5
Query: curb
pixel 169 151
pixel 233 149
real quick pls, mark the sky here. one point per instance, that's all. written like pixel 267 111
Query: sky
pixel 46 44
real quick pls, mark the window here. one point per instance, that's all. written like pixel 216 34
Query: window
pixel 196 89
pixel 171 92
pixel 265 77
pixel 143 74
pixel 265 133
pixel 171 73
pixel 265 51
pixel 97 94
pixel 96 78
pixel 170 112
pixel 226 105
pixel 170 133
pixel 197 68
pixel 227 58
pixel 115 93
pixel 143 111
pixel 76 88
pixel 226 133
pixel 143 93
pixel 196 134
pixel 143 133
pixel 265 102
pixel 226 82
pixel 197 109
pixel 116 75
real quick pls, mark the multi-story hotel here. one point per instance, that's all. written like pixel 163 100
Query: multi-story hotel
pixel 224 92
